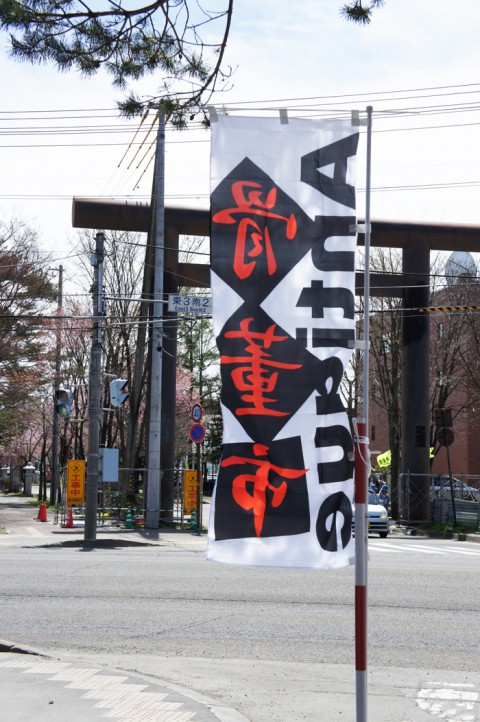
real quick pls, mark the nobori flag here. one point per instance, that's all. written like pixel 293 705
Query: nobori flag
pixel 283 272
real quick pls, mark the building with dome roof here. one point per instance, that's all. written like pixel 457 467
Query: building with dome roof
pixel 460 265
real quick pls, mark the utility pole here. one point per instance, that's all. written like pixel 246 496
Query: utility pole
pixel 94 395
pixel 154 472
pixel 54 484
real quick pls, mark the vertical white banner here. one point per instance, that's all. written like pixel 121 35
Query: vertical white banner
pixel 283 284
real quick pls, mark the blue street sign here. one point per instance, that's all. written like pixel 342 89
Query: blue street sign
pixel 197 433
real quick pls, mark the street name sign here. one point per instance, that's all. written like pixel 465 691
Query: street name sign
pixel 198 305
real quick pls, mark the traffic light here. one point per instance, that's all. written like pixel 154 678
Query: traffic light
pixel 444 423
pixel 443 418
pixel 63 402
pixel 117 397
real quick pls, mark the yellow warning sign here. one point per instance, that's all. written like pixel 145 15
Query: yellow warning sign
pixel 75 482
pixel 190 484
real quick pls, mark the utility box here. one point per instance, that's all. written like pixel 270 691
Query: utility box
pixel 109 465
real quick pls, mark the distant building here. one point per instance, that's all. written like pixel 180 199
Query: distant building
pixel 464 452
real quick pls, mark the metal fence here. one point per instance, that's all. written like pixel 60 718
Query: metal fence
pixel 435 497
pixel 116 499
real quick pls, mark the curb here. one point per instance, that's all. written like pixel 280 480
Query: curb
pixel 452 536
pixel 6 646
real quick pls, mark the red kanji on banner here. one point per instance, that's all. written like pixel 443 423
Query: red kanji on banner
pixel 251 204
pixel 250 490
pixel 252 376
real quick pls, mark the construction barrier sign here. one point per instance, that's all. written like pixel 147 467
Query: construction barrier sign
pixel 75 482
pixel 190 485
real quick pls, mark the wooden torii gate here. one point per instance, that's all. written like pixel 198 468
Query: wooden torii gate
pixel 413 285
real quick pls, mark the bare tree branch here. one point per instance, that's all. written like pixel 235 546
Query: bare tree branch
pixel 162 36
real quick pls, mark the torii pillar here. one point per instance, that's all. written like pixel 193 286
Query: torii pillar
pixel 415 501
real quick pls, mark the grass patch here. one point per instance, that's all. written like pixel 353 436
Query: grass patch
pixel 447 529
pixel 37 502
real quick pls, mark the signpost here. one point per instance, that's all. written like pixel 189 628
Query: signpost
pixel 197 412
pixel 190 484
pixel 75 482
pixel 445 437
pixel 197 433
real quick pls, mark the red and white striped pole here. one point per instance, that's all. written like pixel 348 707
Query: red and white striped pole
pixel 362 468
pixel 361 566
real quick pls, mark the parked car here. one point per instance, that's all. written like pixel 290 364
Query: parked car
pixel 440 487
pixel 377 516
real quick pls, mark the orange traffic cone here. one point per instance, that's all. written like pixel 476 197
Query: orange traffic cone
pixel 42 512
pixel 69 523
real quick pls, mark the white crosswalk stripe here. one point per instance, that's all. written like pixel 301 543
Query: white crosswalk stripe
pixel 397 546
pixel 386 547
pixel 466 552
pixel 424 549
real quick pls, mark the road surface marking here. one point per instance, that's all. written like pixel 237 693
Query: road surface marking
pixel 113 695
pixel 406 547
pixel 397 547
pixel 450 702
pixel 384 547
pixel 469 552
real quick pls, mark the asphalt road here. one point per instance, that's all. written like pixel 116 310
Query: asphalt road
pixel 170 601
pixel 275 644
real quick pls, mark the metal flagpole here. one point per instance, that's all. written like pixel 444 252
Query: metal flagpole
pixel 362 467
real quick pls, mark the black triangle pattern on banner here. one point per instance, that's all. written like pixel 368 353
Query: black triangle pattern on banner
pixel 259 234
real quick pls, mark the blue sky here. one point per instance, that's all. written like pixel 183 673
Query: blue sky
pixel 417 64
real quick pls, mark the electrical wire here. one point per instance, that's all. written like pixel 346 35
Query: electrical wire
pixel 439 94
pixel 314 104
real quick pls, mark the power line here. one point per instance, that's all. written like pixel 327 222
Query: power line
pixel 453 90
pixel 452 185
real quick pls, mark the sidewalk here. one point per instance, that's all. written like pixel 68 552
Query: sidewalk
pixel 21 525
pixel 36 687
pixel 33 686
pixel 19 518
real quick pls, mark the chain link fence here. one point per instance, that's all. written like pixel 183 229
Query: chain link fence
pixel 435 499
